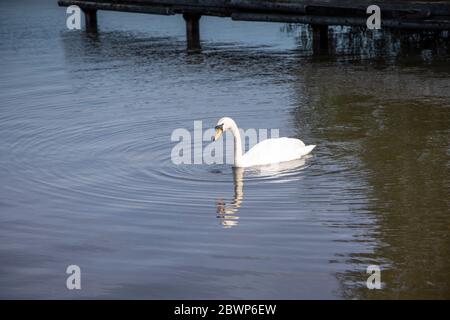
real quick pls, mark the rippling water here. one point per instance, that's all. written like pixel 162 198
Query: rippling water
pixel 87 179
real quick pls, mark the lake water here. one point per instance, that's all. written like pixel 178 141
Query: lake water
pixel 86 176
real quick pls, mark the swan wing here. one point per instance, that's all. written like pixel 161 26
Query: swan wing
pixel 275 150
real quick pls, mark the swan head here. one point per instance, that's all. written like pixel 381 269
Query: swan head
pixel 223 125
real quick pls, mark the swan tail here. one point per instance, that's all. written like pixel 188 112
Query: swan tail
pixel 307 149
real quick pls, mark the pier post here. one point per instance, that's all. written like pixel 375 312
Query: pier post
pixel 320 39
pixel 192 31
pixel 90 17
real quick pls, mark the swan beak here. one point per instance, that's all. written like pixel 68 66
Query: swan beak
pixel 218 133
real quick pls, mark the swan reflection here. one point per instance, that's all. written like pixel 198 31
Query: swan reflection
pixel 226 213
pixel 284 171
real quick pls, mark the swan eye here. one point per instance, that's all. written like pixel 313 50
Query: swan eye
pixel 219 127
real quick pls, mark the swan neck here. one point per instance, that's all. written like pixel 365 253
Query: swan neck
pixel 237 144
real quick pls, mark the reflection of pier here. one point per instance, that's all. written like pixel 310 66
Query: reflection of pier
pixel 401 14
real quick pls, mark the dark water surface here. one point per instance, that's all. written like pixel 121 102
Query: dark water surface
pixel 86 176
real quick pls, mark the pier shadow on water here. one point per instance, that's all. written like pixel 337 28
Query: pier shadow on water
pixel 388 123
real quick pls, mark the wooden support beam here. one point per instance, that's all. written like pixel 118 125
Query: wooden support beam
pixel 90 17
pixel 269 6
pixel 338 7
pixel 116 6
pixel 192 32
pixel 343 21
pixel 319 39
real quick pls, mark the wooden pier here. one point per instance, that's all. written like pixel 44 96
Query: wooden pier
pixel 400 14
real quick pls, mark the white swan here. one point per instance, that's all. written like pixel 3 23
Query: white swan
pixel 266 152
